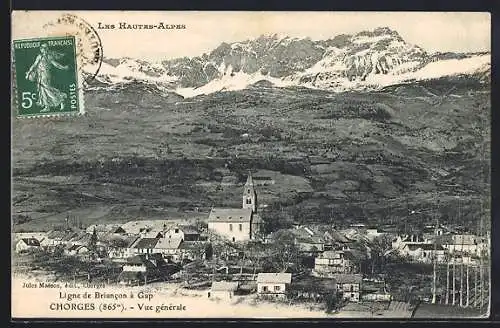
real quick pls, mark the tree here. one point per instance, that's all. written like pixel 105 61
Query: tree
pixel 93 241
pixel 286 252
pixel 332 302
pixel 201 226
pixel 199 250
pixel 256 253
pixel 380 247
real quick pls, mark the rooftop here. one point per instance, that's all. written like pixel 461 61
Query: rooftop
pixel 230 215
pixel 82 237
pixel 347 278
pixel 56 234
pixel 136 227
pixel 331 254
pixel 75 247
pixel 224 286
pixel 146 243
pixel 168 243
pixel 425 247
pixel 31 241
pixel 283 278
pixel 186 229
pixel 111 228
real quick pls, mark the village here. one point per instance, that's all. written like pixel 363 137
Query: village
pixel 230 255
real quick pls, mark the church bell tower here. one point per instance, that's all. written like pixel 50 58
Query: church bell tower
pixel 249 195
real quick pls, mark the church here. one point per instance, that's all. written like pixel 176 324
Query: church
pixel 238 224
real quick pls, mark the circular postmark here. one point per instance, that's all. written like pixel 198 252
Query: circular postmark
pixel 89 53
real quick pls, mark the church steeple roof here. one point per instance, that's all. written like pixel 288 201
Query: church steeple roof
pixel 249 179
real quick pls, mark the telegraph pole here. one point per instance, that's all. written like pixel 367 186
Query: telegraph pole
pixel 481 284
pixel 434 259
pixel 462 259
pixel 481 273
pixel 454 290
pixel 462 281
pixel 475 286
pixel 489 290
pixel 447 283
pixel 468 286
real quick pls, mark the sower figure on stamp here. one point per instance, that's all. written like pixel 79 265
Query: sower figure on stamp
pixel 39 72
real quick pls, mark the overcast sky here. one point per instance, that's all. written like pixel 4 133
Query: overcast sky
pixel 463 32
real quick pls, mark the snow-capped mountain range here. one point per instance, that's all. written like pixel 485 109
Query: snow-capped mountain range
pixel 369 59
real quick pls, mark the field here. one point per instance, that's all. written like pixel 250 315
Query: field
pixel 335 157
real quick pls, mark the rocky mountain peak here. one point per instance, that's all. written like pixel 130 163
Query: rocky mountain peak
pixel 343 61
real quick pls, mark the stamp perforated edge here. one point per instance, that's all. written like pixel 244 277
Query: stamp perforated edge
pixel 79 81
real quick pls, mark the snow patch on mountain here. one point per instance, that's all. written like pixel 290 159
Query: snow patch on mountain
pixel 453 67
pixel 370 39
pixel 434 70
pixel 129 69
pixel 232 82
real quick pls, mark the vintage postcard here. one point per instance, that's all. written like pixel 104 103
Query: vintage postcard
pixel 250 165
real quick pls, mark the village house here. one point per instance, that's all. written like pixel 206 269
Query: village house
pixel 16 236
pixel 273 285
pixel 27 245
pixel 145 228
pixel 429 232
pixel 238 224
pixel 76 250
pixel 358 233
pixel 372 233
pixel 331 262
pixel 105 229
pixel 143 268
pixel 316 239
pixel 136 270
pixel 183 232
pixel 169 248
pixel 174 249
pixel 413 239
pixel 465 244
pixel 378 296
pixel 311 245
pixel 314 289
pixel 349 285
pixel 223 289
pixel 119 252
pixel 145 245
pixel 307 240
pixel 68 237
pixel 424 253
pixel 334 240
pixel 374 290
pixel 81 238
pixel 58 237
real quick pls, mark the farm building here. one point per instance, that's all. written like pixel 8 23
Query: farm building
pixel 223 289
pixel 273 285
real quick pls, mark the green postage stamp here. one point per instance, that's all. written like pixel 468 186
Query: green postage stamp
pixel 47 81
